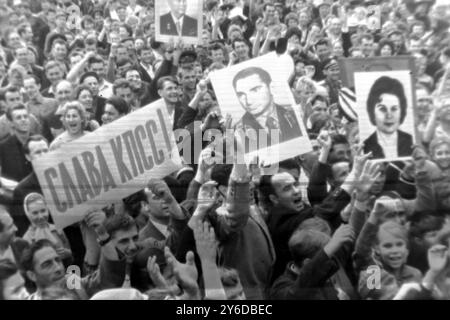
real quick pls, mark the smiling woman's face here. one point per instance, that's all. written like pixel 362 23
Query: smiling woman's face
pixel 387 113
pixel 73 121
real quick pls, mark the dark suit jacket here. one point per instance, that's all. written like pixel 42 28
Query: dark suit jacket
pixel 168 27
pixel 287 122
pixel 12 159
pixel 404 145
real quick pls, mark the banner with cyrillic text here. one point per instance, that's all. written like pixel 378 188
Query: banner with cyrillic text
pixel 108 164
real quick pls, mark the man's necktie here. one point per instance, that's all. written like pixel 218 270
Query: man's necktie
pixel 271 125
pixel 178 24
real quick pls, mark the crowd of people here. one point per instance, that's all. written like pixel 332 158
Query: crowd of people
pixel 330 224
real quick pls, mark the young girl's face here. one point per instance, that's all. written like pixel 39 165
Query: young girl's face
pixel 392 249
pixel 441 156
pixel 38 213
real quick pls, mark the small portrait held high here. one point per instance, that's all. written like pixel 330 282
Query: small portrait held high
pixel 385 111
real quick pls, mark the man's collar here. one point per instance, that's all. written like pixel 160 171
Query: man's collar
pixel 175 19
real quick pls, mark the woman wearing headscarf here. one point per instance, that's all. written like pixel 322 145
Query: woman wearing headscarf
pixel 37 213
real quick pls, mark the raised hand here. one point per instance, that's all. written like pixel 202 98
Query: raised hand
pixel 202 87
pixel 370 173
pixel 206 160
pixel 437 258
pixel 207 195
pixel 343 234
pixel 260 25
pixel 324 140
pixel 160 188
pixel 185 273
pixel 359 161
pixel 205 242
pixel 95 218
pixel 155 274
pixel 419 156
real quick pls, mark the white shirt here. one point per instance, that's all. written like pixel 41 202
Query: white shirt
pixel 180 20
pixel 149 70
pixel 162 228
pixel 105 90
pixel 388 143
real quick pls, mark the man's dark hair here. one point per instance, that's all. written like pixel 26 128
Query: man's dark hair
pixel 88 74
pixel 123 62
pixel 322 42
pixel 95 59
pixel 233 44
pixel 121 83
pixel 33 138
pixel 144 48
pixel 385 85
pixel 10 111
pixel 221 174
pixel 265 190
pixel 27 259
pixel 289 164
pixel 162 81
pixel 7 270
pixel 215 46
pixel 244 73
pixel 338 139
pixel 119 222
pixel 128 38
pixel 59 41
pixel 119 104
pixel 133 68
pixel 319 97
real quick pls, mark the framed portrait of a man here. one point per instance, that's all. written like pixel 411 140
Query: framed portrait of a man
pixel 386 113
pixel 176 19
pixel 257 96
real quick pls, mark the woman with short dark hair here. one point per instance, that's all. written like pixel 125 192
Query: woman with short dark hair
pixel 386 107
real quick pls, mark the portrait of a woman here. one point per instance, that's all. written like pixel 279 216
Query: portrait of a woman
pixel 386 107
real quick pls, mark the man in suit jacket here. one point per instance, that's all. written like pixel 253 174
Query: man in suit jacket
pixel 13 163
pixel 176 22
pixel 252 87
